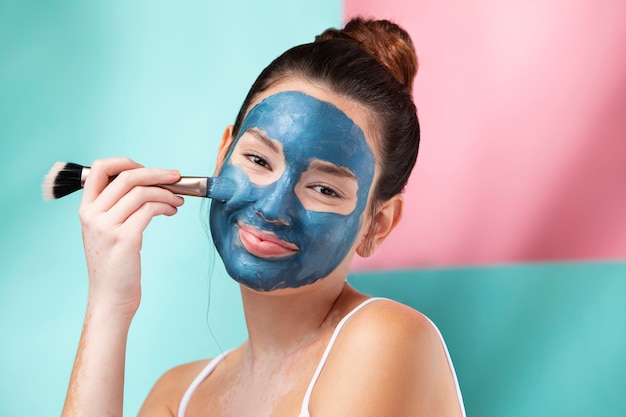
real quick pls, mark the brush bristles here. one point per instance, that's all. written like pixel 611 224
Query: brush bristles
pixel 63 178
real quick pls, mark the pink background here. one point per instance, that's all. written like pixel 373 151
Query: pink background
pixel 522 106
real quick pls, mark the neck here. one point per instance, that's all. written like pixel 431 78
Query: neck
pixel 285 321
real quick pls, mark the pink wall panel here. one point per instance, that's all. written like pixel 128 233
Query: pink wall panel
pixel 523 114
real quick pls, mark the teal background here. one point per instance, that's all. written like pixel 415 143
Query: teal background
pixel 159 81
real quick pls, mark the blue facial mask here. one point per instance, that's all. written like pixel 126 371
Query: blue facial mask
pixel 306 131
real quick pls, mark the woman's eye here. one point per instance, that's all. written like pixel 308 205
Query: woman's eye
pixel 326 191
pixel 256 159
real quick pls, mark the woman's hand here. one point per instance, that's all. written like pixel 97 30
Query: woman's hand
pixel 114 215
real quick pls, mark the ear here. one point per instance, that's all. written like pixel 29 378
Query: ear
pixel 225 144
pixel 383 222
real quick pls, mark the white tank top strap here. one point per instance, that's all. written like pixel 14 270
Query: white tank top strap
pixel 456 381
pixel 304 411
pixel 206 371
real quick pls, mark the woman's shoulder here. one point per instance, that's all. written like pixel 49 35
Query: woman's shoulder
pixel 382 317
pixel 165 395
pixel 391 358
pixel 181 376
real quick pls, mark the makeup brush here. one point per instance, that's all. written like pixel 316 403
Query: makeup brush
pixel 66 177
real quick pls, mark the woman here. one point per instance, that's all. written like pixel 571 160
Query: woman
pixel 320 152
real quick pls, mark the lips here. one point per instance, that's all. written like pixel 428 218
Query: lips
pixel 264 244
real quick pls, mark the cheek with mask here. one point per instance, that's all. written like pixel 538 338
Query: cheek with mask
pixel 284 228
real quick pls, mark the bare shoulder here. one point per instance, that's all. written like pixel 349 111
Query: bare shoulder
pixel 389 359
pixel 164 398
pixel 392 319
pixel 392 332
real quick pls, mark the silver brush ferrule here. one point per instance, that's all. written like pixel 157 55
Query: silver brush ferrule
pixel 83 176
pixel 194 186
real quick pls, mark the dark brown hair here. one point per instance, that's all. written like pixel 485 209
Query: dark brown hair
pixel 372 63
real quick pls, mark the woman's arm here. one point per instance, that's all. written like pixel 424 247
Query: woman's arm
pixel 113 216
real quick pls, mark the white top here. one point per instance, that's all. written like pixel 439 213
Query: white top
pixel 304 410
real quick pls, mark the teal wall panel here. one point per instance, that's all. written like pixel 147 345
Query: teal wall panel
pixel 526 340
pixel 157 81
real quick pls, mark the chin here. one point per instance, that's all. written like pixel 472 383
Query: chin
pixel 269 274
pixel 261 284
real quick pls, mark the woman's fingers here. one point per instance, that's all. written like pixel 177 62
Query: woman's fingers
pixel 138 197
pixel 141 217
pixel 127 181
pixel 118 210
pixel 101 173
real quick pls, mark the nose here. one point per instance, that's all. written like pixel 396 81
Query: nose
pixel 279 203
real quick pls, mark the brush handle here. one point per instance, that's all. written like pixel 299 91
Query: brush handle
pixel 190 186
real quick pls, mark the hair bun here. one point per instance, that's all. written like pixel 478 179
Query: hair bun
pixel 390 44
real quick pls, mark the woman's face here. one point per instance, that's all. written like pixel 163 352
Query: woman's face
pixel 303 171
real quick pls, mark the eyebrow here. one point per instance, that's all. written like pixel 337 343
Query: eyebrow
pixel 333 169
pixel 326 167
pixel 261 137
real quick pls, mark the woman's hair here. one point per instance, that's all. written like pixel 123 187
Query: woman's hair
pixel 371 63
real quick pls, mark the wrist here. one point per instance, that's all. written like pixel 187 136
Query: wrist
pixel 111 312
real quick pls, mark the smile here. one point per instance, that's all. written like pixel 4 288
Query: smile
pixel 264 244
